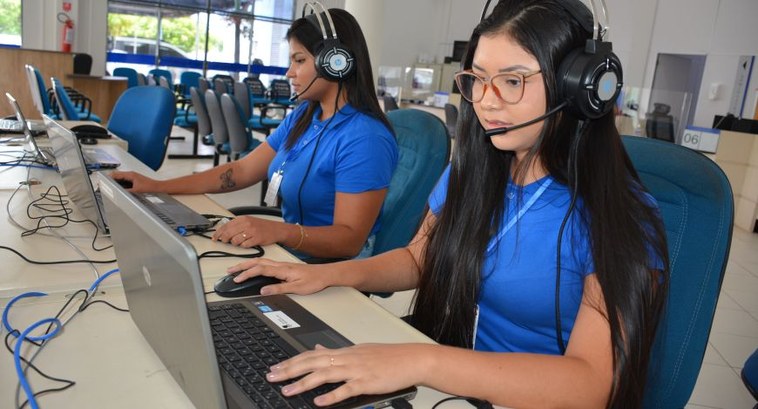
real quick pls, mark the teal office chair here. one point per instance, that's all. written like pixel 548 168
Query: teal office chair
pixel 749 375
pixel 187 80
pixel 132 78
pixel 424 151
pixel 697 207
pixel 65 105
pixel 159 73
pixel 143 116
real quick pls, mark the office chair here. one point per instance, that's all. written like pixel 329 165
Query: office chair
pixel 220 138
pixel 257 92
pixel 659 124
pixel 280 92
pixel 143 116
pixel 749 375
pixel 242 95
pixel 159 73
pixel 390 103
pixel 451 119
pixel 141 79
pixel 697 206
pixel 187 80
pixel 82 63
pixel 424 151
pixel 241 141
pixel 130 74
pixel 70 104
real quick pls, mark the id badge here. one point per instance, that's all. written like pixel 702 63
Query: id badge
pixel 273 189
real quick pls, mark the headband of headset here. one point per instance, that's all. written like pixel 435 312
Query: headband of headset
pixel 334 61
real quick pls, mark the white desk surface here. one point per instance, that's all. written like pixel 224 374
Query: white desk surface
pixel 101 349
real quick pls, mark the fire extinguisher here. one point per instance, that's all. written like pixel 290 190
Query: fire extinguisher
pixel 67 39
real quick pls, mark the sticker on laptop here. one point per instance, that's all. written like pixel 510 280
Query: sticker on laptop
pixel 281 320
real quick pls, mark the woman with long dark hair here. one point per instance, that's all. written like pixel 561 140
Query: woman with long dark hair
pixel 542 266
pixel 330 161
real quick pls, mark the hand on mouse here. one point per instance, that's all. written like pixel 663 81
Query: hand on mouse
pixel 249 231
pixel 139 183
pixel 297 278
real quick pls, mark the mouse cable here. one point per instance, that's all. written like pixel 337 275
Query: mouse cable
pixel 259 252
pixel 28 260
pixel 477 403
pixel 400 403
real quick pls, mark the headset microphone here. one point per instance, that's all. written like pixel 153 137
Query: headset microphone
pixel 500 131
pixel 299 94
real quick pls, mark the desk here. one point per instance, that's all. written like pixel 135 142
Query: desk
pixel 103 91
pixel 104 352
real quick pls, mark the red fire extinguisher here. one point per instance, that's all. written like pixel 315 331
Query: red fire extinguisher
pixel 67 39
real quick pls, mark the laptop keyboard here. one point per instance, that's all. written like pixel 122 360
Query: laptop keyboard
pixel 246 347
pixel 11 126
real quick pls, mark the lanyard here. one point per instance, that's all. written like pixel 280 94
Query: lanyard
pixel 518 216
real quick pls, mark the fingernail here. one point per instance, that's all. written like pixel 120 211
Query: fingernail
pixel 287 390
pixel 265 291
pixel 272 376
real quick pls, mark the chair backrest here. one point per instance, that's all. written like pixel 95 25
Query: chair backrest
pixel 749 374
pixel 67 109
pixel 198 105
pixel 132 79
pixel 144 116
pixel 242 95
pixel 187 80
pixel 163 82
pixel 240 139
pixel 202 85
pixel 424 151
pixel 697 208
pixel 218 124
pixel 160 72
pixel 82 63
pixel 255 87
pixel 451 118
pixel 659 124
pixel 141 79
pixel 390 103
pixel 280 91
pixel 39 96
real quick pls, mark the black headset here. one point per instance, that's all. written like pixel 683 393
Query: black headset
pixel 334 61
pixel 589 78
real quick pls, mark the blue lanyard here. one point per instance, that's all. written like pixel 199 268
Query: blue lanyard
pixel 518 216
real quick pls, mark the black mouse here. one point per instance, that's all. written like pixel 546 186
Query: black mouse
pixel 87 141
pixel 126 184
pixel 90 131
pixel 226 287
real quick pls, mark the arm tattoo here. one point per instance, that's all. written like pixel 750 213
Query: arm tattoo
pixel 226 180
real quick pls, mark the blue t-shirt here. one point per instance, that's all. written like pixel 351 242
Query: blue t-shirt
pixel 356 153
pixel 517 297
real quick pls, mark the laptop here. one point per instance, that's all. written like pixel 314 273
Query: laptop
pixel 20 124
pixel 45 156
pixel 94 158
pixel 216 366
pixel 76 179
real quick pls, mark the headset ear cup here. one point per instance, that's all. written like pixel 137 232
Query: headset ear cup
pixel 334 62
pixel 590 79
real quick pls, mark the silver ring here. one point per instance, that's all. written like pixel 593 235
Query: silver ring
pixel 331 361
pixel 244 235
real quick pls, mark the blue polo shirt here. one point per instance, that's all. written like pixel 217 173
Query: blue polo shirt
pixel 517 297
pixel 356 153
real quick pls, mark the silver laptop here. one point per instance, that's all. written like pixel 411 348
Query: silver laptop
pixel 94 158
pixel 161 278
pixel 20 125
pixel 45 156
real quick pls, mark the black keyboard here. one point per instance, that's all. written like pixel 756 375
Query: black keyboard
pixel 246 347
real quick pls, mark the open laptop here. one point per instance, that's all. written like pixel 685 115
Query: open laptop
pixel 76 179
pixel 161 278
pixel 45 156
pixel 20 125
pixel 94 158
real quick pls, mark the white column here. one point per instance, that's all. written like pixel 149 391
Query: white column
pixel 370 16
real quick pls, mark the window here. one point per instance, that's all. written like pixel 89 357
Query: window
pixel 10 22
pixel 240 31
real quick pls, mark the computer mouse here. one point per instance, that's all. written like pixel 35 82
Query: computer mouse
pixel 87 141
pixel 126 184
pixel 226 287
pixel 90 131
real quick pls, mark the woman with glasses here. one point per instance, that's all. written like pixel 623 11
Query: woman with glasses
pixel 541 268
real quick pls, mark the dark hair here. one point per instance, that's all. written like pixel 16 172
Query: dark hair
pixel 624 230
pixel 361 93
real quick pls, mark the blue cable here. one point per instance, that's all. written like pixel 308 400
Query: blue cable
pixel 7 308
pixel 17 353
pixel 97 282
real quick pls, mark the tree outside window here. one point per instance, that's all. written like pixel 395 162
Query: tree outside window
pixel 10 22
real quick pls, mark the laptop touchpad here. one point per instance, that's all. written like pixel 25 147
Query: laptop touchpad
pixel 328 339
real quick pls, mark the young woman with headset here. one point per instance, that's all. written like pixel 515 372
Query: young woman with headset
pixel 542 266
pixel 331 159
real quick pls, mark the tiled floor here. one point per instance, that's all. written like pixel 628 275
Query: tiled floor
pixel 734 335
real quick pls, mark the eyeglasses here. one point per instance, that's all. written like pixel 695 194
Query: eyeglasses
pixel 508 86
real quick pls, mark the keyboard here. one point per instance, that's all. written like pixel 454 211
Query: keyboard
pixel 11 126
pixel 246 347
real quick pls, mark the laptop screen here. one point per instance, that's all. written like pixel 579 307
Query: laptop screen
pixel 73 171
pixel 30 144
